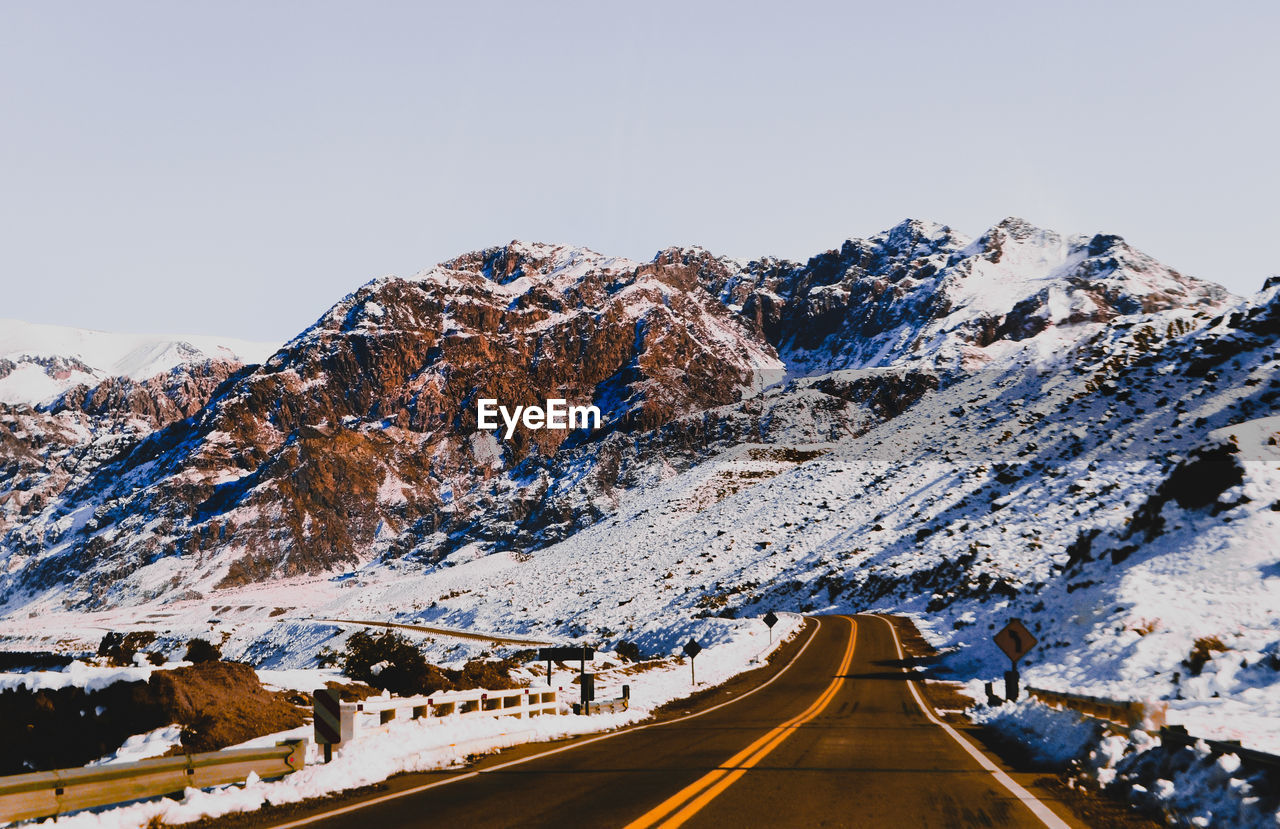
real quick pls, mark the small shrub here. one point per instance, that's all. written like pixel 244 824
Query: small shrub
pixel 479 673
pixel 1201 652
pixel 1147 626
pixel 629 651
pixel 391 662
pixel 120 648
pixel 327 657
pixel 198 650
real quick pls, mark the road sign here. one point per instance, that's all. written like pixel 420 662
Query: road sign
pixel 692 649
pixel 332 724
pixel 770 619
pixel 1015 640
pixel 564 654
pixel 328 716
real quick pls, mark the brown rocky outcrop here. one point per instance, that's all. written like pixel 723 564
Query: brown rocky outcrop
pixel 360 434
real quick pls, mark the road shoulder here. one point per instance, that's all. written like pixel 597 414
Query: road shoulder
pixel 702 700
pixel 1077 807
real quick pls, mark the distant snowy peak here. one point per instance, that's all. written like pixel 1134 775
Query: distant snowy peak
pixel 39 363
pixel 1028 279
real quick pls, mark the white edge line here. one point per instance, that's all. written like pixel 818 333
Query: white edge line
pixel 625 730
pixel 1033 803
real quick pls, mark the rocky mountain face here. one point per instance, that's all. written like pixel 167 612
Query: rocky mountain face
pixel 156 401
pixel 920 292
pixel 49 452
pixel 357 440
pixel 360 434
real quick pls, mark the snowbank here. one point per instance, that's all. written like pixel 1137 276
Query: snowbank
pixel 1185 784
pixel 80 675
pixel 379 752
pixel 1053 737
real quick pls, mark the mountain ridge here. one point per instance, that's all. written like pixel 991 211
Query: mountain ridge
pixel 355 441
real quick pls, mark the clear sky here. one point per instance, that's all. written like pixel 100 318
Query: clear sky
pixel 237 167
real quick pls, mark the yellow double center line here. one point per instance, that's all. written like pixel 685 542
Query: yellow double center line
pixel 689 800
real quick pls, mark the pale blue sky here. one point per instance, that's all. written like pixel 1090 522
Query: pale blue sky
pixel 236 167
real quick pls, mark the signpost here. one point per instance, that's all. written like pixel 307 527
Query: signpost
pixel 691 650
pixel 770 620
pixel 1016 641
pixel 563 654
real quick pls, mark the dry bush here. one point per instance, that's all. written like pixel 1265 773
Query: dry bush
pixel 1201 652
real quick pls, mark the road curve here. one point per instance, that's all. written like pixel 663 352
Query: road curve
pixel 452 633
pixel 837 738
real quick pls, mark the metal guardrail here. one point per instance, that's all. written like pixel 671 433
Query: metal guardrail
pixel 1148 716
pixel 608 706
pixel 49 793
pixel 1176 735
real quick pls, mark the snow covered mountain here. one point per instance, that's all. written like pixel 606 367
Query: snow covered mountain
pixel 357 439
pixel 1055 428
pixel 921 293
pixel 38 363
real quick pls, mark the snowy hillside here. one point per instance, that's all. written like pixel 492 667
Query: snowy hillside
pixel 1059 429
pixel 40 362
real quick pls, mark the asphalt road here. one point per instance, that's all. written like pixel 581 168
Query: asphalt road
pixel 448 633
pixel 835 738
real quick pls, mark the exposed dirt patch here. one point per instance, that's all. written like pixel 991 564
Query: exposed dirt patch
pixel 220 704
pixel 217 703
pixel 351 691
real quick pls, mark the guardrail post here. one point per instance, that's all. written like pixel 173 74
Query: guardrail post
pixel 1011 684
pixel 1174 736
pixel 297 759
pixel 349 722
